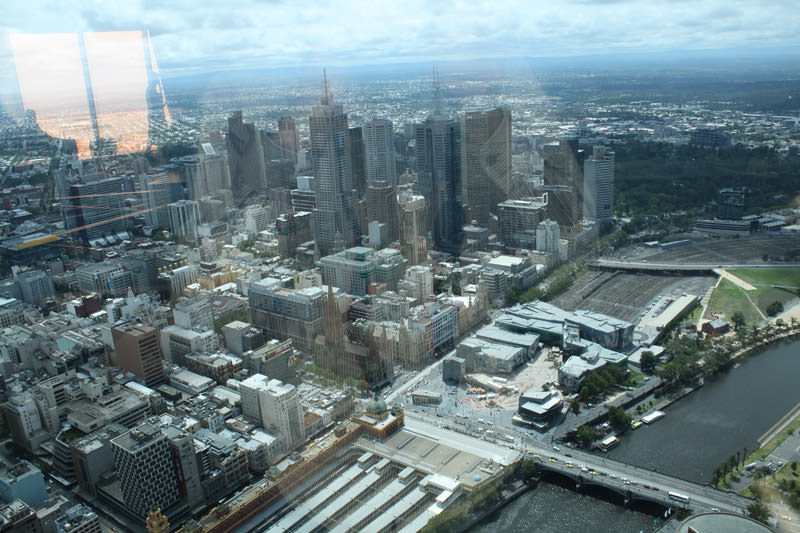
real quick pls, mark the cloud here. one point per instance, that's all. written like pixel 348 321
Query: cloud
pixel 192 33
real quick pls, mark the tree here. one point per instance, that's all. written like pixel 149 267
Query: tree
pixel 575 405
pixel 618 417
pixel 587 435
pixel 738 319
pixel 528 469
pixel 648 362
pixel 759 511
pixel 774 308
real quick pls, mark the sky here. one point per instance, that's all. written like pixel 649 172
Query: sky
pixel 195 35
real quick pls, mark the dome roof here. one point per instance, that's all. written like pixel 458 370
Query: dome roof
pixel 375 406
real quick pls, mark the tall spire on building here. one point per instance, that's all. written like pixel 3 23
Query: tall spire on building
pixel 325 97
pixel 333 327
pixel 438 112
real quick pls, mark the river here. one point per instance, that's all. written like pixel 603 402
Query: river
pixel 697 434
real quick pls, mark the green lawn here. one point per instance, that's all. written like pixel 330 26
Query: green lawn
pixel 728 298
pixel 787 284
pixel 767 276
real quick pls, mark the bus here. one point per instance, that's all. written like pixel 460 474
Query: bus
pixel 678 497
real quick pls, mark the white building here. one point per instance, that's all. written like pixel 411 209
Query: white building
pixel 256 219
pixel 547 238
pixel 276 406
pixel 177 342
pixel 184 218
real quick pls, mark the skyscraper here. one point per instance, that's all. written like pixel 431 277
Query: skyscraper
pixel 184 217
pixel 246 159
pixel 413 228
pixel 518 220
pixel 486 160
pixel 563 180
pixel 598 191
pixel 94 209
pixel 382 206
pixel 336 224
pixel 439 179
pixel 379 143
pixel 207 172
pixel 358 160
pixel 289 141
pixel 156 190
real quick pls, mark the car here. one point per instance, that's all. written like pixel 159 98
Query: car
pixel 715 509
pixel 556 449
pixel 537 457
pixel 553 460
pixel 612 476
pixel 592 472
pixel 570 465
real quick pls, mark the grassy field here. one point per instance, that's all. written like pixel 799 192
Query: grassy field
pixel 765 276
pixel 728 298
pixel 771 285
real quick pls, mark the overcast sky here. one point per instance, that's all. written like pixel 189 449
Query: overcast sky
pixel 191 35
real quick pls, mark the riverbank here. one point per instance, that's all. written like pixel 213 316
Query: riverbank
pixel 506 497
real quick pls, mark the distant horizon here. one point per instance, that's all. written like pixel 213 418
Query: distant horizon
pixel 214 37
pixel 549 63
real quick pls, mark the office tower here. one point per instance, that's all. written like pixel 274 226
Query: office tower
pixel 146 470
pixel 137 350
pixel 303 197
pixel 280 174
pixel 207 172
pixel 563 180
pixel 598 192
pixel 382 206
pixel 518 219
pixel 245 158
pixel 413 228
pixel 439 179
pixel 35 286
pixel 293 229
pixel 270 145
pixel 548 238
pixel 379 143
pixel 156 192
pixel 358 160
pixel 276 407
pixel 289 141
pixel 284 313
pixel 94 209
pixel 562 206
pixel 194 313
pixel 104 278
pixel 336 224
pixel 351 270
pixel 256 219
pixel 486 161
pixel 184 217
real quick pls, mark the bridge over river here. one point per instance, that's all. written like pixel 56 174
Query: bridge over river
pixel 632 482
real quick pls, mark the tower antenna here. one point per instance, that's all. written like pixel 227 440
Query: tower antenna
pixel 325 100
pixel 437 97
